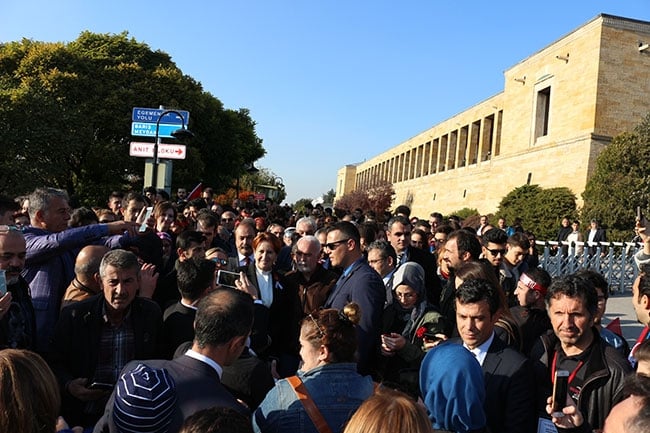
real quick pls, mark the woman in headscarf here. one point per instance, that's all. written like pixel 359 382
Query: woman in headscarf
pixel 407 322
pixel 453 389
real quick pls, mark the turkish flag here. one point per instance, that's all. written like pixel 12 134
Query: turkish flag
pixel 196 192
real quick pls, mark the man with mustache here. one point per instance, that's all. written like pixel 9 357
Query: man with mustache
pixel 95 338
pixel 17 321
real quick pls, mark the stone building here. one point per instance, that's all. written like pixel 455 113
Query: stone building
pixel 559 108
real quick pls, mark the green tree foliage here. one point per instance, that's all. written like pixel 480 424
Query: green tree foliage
pixel 465 213
pixel 541 210
pixel 301 204
pixel 328 197
pixel 65 117
pixel 261 180
pixel 620 183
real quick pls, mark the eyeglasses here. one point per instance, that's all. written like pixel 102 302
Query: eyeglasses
pixel 321 334
pixel 222 262
pixel 227 219
pixel 335 244
pixel 372 262
pixel 496 252
pixel 299 253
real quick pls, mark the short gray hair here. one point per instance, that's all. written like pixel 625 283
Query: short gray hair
pixel 39 200
pixel 119 259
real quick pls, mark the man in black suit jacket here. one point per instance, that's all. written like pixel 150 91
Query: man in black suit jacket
pixel 360 284
pixel 509 381
pixel 223 321
pixel 399 236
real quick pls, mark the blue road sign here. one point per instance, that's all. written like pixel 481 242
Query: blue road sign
pixel 151 115
pixel 142 129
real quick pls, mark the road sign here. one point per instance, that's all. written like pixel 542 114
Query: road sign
pixel 141 129
pixel 165 151
pixel 151 115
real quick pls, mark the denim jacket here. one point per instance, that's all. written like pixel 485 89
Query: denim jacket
pixel 336 389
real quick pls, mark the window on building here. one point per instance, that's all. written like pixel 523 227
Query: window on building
pixel 542 112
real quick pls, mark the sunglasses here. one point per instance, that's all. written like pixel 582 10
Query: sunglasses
pixel 222 262
pixel 335 244
pixel 496 252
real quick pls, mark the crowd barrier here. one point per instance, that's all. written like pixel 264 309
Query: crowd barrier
pixel 614 260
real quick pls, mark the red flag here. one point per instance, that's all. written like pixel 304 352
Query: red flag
pixel 615 326
pixel 196 192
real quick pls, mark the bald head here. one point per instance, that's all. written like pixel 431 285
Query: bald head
pixel 86 266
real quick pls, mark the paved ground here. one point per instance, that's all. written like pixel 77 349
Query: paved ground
pixel 621 306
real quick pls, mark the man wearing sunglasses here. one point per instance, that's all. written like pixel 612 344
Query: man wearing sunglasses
pixel 493 243
pixel 359 283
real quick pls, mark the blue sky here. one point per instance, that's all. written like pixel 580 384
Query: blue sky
pixel 333 82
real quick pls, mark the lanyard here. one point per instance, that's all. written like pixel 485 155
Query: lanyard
pixel 573 373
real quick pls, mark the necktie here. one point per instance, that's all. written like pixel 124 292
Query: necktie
pixel 247 261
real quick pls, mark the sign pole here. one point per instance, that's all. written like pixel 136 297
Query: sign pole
pixel 156 142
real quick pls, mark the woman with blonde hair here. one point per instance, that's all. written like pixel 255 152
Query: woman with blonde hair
pixel 389 411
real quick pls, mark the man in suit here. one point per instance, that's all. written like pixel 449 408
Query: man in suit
pixel 508 378
pixel 223 322
pixel 359 283
pixel 398 234
pixel 244 235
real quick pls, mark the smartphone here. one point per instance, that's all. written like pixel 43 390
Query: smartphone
pixel 431 337
pixel 560 391
pixel 147 215
pixel 3 283
pixel 639 214
pixel 101 385
pixel 227 278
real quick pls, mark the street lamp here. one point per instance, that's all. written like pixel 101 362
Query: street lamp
pixel 179 134
pixel 250 169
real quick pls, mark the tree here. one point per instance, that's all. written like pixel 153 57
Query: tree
pixel 328 197
pixel 65 115
pixel 377 198
pixel 620 182
pixel 541 210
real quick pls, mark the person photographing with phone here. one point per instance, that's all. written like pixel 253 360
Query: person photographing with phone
pixel 17 320
pixel 596 370
pixel 406 324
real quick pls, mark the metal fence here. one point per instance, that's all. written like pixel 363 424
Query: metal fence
pixel 614 260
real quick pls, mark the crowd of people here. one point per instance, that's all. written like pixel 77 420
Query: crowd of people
pixel 198 317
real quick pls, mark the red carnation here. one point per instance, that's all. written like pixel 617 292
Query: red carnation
pixel 420 332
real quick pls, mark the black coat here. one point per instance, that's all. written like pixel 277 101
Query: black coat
pixel 197 387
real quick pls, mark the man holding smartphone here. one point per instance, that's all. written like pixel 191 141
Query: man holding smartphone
pixel 17 322
pixel 596 369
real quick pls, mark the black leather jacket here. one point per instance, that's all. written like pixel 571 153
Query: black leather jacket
pixel 603 381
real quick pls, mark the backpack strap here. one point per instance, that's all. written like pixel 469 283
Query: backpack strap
pixel 301 392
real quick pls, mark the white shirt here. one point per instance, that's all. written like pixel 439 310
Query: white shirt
pixel 481 351
pixel 265 285
pixel 242 259
pixel 211 362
